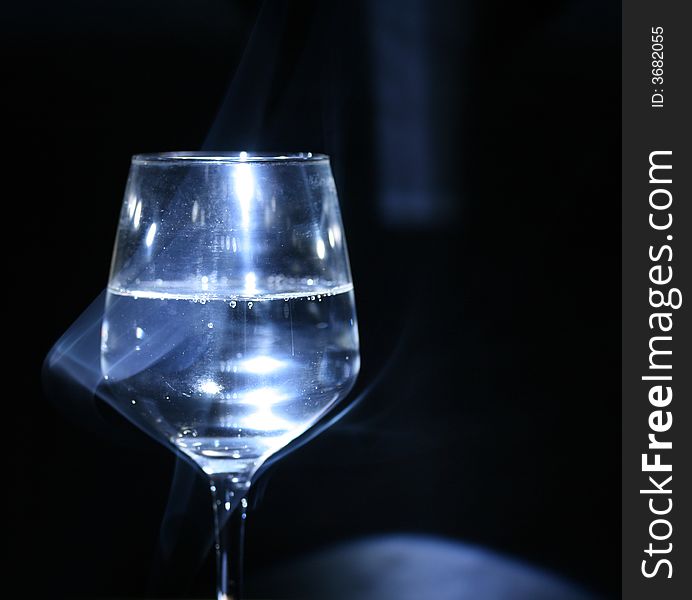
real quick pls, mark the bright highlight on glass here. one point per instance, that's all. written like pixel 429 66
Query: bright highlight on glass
pixel 230 324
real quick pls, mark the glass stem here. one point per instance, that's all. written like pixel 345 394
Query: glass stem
pixel 230 512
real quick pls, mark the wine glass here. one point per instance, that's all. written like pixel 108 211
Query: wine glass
pixel 230 324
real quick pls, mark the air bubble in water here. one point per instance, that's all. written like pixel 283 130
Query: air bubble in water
pixel 233 303
pixel 249 305
pixel 210 325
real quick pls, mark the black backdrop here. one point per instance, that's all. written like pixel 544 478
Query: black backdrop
pixel 491 290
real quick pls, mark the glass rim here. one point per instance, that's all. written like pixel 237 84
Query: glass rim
pixel 226 157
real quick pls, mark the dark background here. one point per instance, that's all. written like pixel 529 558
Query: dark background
pixel 475 147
